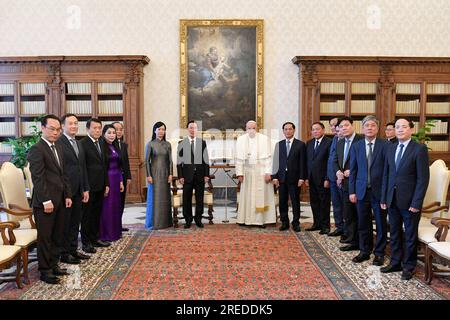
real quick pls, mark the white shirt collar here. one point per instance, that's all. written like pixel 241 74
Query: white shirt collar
pixel 290 140
pixel 48 142
pixel 405 144
pixel 93 140
pixel 68 137
pixel 352 136
pixel 320 139
pixel 373 142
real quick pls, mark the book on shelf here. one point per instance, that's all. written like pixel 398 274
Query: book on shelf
pixel 438 108
pixel 79 106
pixel 327 126
pixel 7 128
pixel 363 106
pixel 27 129
pixel 78 88
pixel 332 87
pixel 437 145
pixel 364 88
pixel 440 127
pixel 332 107
pixel 438 88
pixel 7 107
pixel 32 107
pixel 5 148
pixel 110 106
pixel 82 130
pixel 407 88
pixel 31 88
pixel 110 88
pixel 410 106
pixel 6 89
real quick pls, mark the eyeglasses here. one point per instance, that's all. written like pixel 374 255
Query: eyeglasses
pixel 52 129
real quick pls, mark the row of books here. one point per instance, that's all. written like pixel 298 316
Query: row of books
pixel 110 106
pixel 438 107
pixel 7 107
pixel 7 128
pixel 364 88
pixel 5 148
pixel 363 106
pixel 6 89
pixel 110 88
pixel 78 88
pixel 32 107
pixel 410 106
pixel 438 145
pixel 27 127
pixel 438 88
pixel 332 87
pixel 407 88
pixel 439 127
pixel 32 88
pixel 79 106
pixel 332 107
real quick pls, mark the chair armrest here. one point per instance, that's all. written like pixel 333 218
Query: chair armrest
pixel 434 207
pixel 443 225
pixel 438 222
pixel 23 213
pixel 8 225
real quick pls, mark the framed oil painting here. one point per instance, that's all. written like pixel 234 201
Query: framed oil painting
pixel 221 73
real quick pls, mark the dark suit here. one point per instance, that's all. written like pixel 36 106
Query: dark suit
pixel 403 188
pixel 288 169
pixel 97 173
pixel 50 183
pixel 75 169
pixel 393 140
pixel 126 173
pixel 194 173
pixel 369 195
pixel 336 192
pixel 317 174
pixel 350 213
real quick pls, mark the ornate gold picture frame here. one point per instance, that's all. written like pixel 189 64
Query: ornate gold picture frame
pixel 221 73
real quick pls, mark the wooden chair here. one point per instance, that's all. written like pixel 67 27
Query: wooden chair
pixel 28 181
pixel 438 251
pixel 9 252
pixel 12 189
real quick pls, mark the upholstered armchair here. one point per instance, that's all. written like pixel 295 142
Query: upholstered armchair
pixel 28 181
pixel 438 251
pixel 10 252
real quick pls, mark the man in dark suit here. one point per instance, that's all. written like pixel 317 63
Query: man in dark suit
pixel 289 173
pixel 97 172
pixel 336 192
pixel 75 169
pixel 193 173
pixel 51 197
pixel 405 182
pixel 341 165
pixel 390 132
pixel 366 175
pixel 318 150
pixel 126 173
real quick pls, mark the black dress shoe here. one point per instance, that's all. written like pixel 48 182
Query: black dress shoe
pixel 344 241
pixel 324 231
pixel 89 249
pixel 361 257
pixel 125 229
pixel 284 227
pixel 81 256
pixel 336 233
pixel 199 224
pixel 313 228
pixel 296 228
pixel 101 244
pixel 49 278
pixel 378 261
pixel 344 237
pixel 407 275
pixel 349 247
pixel 390 268
pixel 263 226
pixel 187 225
pixel 57 271
pixel 70 259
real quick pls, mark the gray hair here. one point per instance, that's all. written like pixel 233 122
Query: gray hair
pixel 370 118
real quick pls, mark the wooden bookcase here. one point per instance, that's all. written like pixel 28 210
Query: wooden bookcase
pixel 107 87
pixel 387 87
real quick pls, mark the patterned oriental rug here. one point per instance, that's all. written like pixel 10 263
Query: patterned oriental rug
pixel 226 262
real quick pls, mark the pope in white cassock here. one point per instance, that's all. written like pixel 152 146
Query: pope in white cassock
pixel 253 169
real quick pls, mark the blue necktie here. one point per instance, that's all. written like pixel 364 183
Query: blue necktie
pixel 347 148
pixel 399 156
